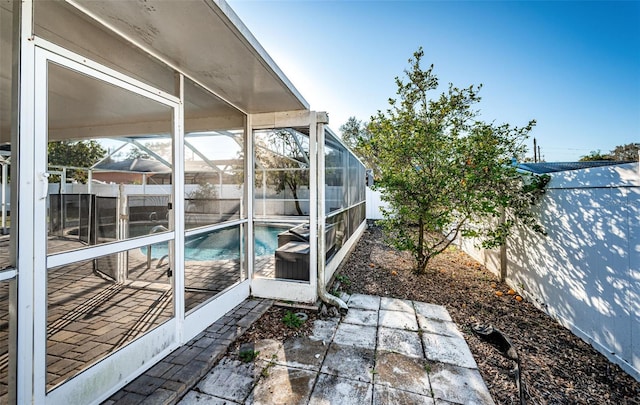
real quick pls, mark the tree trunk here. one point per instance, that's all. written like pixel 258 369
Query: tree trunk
pixel 294 191
pixel 422 263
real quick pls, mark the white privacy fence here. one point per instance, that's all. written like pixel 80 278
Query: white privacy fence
pixel 586 272
pixel 374 203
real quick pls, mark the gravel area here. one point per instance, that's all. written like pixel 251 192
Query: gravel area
pixel 557 367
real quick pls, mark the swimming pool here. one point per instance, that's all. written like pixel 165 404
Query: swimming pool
pixel 223 244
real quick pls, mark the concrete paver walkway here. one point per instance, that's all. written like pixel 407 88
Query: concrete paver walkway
pixel 384 351
pixel 168 381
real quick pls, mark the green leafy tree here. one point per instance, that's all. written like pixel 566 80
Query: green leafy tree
pixel 205 191
pixel 595 155
pixel 625 152
pixel 443 172
pixel 628 152
pixel 352 131
pixel 356 136
pixel 75 154
pixel 285 163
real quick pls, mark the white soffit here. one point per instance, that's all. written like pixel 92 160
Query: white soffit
pixel 206 40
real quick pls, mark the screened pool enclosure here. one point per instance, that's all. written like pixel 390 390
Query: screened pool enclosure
pixel 157 169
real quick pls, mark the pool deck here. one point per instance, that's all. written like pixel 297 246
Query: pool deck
pixel 90 316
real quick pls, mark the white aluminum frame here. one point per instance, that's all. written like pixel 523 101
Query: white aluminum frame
pixel 176 214
pixel 24 139
pixel 249 164
pixel 3 191
pixel 281 289
pixel 207 313
pixel 99 381
pixel 111 372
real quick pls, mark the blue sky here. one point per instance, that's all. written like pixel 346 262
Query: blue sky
pixel 574 67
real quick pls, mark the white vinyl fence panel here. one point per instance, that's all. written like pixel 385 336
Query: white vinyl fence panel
pixel 374 203
pixel 586 271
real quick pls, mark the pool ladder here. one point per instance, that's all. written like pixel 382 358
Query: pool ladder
pixel 156 229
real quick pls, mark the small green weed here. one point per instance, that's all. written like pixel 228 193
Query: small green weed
pixel 343 279
pixel 345 283
pixel 265 371
pixel 291 320
pixel 247 356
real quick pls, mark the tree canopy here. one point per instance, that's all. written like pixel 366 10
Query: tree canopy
pixel 625 152
pixel 75 154
pixel 286 164
pixel 620 153
pixel 594 156
pixel 356 136
pixel 444 172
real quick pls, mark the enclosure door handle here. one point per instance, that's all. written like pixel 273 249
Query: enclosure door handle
pixel 45 185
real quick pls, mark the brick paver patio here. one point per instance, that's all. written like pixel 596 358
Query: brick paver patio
pixel 90 316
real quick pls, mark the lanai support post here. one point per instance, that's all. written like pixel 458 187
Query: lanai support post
pixel 322 119
pixel 4 198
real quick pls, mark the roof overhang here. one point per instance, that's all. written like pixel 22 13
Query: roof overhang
pixel 206 40
pixel 203 39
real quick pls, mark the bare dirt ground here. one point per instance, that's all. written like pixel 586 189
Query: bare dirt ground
pixel 557 367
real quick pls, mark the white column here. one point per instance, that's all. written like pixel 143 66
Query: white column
pixel 63 182
pixel 313 201
pixel 322 256
pixel 264 192
pixel 249 195
pixel 25 163
pixel 3 224
pixel 144 183
pixel 176 214
pixel 123 226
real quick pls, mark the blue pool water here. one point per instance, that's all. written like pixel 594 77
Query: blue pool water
pixel 223 244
